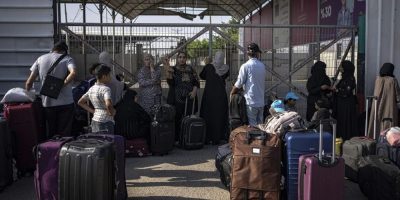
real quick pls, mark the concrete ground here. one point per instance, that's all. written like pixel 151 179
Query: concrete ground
pixel 179 175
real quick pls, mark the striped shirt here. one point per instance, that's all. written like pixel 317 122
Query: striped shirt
pixel 98 94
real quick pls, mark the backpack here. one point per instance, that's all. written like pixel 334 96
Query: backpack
pixel 237 108
pixel 283 122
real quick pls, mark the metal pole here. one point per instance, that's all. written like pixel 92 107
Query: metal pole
pixel 210 41
pixel 130 47
pixel 113 37
pixel 59 19
pixel 290 49
pixel 318 29
pixel 101 25
pixel 123 43
pixel 84 37
pixel 353 44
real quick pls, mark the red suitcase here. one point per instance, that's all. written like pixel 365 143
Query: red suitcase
pixel 321 176
pixel 137 147
pixel 27 128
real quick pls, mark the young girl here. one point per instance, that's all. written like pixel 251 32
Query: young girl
pixel 100 97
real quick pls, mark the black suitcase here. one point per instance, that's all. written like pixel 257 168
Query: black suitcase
pixel 162 130
pixel 357 147
pixel 379 178
pixel 384 149
pixel 193 130
pixel 223 163
pixel 6 170
pixel 87 170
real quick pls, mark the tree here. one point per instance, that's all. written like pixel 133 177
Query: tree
pixel 199 46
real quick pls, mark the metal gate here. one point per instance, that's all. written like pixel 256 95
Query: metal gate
pixel 288 51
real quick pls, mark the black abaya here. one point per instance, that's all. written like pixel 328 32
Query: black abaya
pixel 214 105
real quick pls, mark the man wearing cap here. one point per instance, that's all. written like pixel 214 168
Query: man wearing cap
pixel 58 112
pixel 290 101
pixel 252 79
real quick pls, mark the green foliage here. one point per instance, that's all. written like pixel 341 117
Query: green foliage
pixel 199 46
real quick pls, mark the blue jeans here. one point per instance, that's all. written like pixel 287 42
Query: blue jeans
pixel 103 126
pixel 255 115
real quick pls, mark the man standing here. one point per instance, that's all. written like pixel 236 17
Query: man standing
pixel 252 79
pixel 58 112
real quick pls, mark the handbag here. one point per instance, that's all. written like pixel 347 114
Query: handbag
pixel 52 85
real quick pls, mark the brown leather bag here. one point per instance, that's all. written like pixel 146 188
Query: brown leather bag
pixel 256 169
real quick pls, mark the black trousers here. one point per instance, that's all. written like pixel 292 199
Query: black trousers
pixel 59 120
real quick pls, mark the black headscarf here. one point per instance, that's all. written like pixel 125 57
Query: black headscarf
pixel 348 69
pixel 387 70
pixel 318 74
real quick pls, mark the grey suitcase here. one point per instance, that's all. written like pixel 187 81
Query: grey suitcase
pixel 193 131
pixel 87 170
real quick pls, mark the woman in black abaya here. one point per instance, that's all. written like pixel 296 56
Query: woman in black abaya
pixel 318 85
pixel 345 107
pixel 214 104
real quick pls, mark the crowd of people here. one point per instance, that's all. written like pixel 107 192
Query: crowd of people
pixel 325 99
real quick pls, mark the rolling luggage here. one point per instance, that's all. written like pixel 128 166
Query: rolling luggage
pixel 162 130
pixel 87 170
pixel 6 169
pixel 296 144
pixel 256 164
pixel 223 163
pixel 27 129
pixel 119 142
pixel 379 178
pixel 46 173
pixel 357 147
pixel 321 176
pixel 193 130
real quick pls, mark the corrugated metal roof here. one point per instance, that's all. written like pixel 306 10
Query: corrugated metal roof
pixel 185 8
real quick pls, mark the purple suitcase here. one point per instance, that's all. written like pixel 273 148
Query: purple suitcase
pixel 46 173
pixel 321 176
pixel 119 142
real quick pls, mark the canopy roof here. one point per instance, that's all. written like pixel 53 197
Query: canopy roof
pixel 188 9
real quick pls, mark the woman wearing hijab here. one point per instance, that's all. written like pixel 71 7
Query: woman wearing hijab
pixel 183 83
pixel 149 78
pixel 345 106
pixel 318 85
pixel 214 103
pixel 388 93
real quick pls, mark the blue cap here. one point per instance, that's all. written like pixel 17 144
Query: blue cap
pixel 291 95
pixel 278 106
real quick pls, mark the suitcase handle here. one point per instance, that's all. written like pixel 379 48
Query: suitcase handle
pixel 368 98
pixel 321 128
pixel 186 102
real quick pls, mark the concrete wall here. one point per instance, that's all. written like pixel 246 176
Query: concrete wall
pixel 382 39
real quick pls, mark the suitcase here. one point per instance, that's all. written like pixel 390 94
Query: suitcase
pixel 223 163
pixel 357 147
pixel 379 178
pixel 87 170
pixel 321 176
pixel 256 164
pixel 27 129
pixel 119 143
pixel 137 148
pixel 193 130
pixel 6 167
pixel 297 144
pixel 384 149
pixel 162 130
pixel 46 173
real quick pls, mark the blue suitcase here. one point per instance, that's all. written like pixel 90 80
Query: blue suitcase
pixel 297 144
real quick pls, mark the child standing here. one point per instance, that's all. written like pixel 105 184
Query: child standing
pixel 100 97
pixel 322 107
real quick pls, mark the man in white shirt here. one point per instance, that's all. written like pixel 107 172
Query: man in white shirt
pixel 252 79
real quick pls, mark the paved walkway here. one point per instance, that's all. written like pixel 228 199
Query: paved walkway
pixel 179 175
